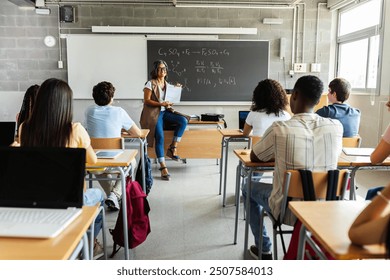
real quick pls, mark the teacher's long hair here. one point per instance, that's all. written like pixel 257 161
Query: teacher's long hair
pixel 50 124
pixel 156 64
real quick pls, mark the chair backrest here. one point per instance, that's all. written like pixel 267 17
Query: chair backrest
pixel 293 186
pixel 352 142
pixel 107 143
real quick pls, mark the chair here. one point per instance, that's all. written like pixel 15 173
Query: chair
pixel 352 142
pixel 107 143
pixel 292 190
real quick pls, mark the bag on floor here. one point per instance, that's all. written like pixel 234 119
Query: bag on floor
pixel 138 224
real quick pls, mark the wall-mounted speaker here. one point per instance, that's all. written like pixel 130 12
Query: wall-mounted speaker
pixel 282 48
pixel 67 14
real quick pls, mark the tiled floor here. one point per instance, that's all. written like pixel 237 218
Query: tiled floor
pixel 187 219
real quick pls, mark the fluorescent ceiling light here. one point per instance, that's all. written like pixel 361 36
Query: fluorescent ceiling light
pixel 272 21
pixel 172 30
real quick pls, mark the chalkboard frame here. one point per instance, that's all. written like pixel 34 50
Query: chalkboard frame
pixel 207 55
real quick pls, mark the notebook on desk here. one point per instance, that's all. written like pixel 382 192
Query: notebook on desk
pixel 41 190
pixel 7 133
pixel 108 154
pixel 358 151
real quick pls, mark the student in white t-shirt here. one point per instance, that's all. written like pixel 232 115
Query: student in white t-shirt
pixel 269 102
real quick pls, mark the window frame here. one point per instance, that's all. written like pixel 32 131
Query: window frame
pixel 366 33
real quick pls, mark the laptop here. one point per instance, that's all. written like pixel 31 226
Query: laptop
pixel 41 190
pixel 7 133
pixel 108 153
pixel 241 119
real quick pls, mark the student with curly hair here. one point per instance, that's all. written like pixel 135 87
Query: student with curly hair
pixel 269 102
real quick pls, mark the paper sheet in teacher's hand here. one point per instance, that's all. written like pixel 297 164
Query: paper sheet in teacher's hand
pixel 173 94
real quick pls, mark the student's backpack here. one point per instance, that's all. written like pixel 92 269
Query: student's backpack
pixel 148 174
pixel 138 224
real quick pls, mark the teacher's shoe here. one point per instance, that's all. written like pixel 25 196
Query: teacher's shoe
pixel 171 153
pixel 166 176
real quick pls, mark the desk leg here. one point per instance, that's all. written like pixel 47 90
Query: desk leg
pixel 225 172
pixel 247 210
pixel 237 200
pixel 142 149
pixel 301 243
pixel 124 213
pixel 223 143
pixel 84 241
pixel 352 185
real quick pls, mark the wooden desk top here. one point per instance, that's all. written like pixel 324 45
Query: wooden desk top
pixel 356 161
pixel 58 248
pixel 123 159
pixel 244 156
pixel 329 222
pixel 232 133
pixel 144 134
pixel 204 122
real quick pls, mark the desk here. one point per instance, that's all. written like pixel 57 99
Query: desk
pixel 122 164
pixel 196 143
pixel 361 163
pixel 228 135
pixel 64 246
pixel 142 147
pixel 246 165
pixel 329 222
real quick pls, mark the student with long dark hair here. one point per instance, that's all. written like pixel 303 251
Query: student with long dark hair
pixel 27 105
pixel 154 114
pixel 50 125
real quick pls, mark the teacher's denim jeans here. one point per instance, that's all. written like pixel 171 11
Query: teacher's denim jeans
pixel 92 196
pixel 166 116
pixel 260 193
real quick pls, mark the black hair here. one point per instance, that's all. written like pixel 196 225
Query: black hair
pixel 156 64
pixel 270 96
pixel 27 105
pixel 103 93
pixel 341 87
pixel 311 89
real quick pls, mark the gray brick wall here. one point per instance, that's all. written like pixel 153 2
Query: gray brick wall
pixel 25 60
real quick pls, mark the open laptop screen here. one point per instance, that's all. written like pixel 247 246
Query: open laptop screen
pixel 241 118
pixel 41 177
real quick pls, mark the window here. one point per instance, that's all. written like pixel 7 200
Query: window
pixel 359 44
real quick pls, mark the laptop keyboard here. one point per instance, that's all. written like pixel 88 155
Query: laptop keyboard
pixel 36 216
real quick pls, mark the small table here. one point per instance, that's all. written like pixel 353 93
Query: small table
pixel 67 245
pixel 122 164
pixel 329 222
pixel 143 150
pixel 228 135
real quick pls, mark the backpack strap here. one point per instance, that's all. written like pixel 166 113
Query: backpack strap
pixel 307 185
pixel 333 177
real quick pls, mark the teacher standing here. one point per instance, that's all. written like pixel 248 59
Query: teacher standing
pixel 155 113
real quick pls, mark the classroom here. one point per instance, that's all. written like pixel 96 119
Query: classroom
pixel 84 42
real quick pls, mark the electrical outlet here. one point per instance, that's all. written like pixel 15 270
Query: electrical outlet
pixel 300 67
pixel 316 67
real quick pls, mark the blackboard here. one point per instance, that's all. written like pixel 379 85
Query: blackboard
pixel 213 70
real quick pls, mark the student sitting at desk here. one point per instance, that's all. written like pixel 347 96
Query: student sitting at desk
pixel 372 226
pixel 306 141
pixel 155 113
pixel 338 93
pixel 27 105
pixel 106 121
pixel 269 102
pixel 381 152
pixel 50 125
